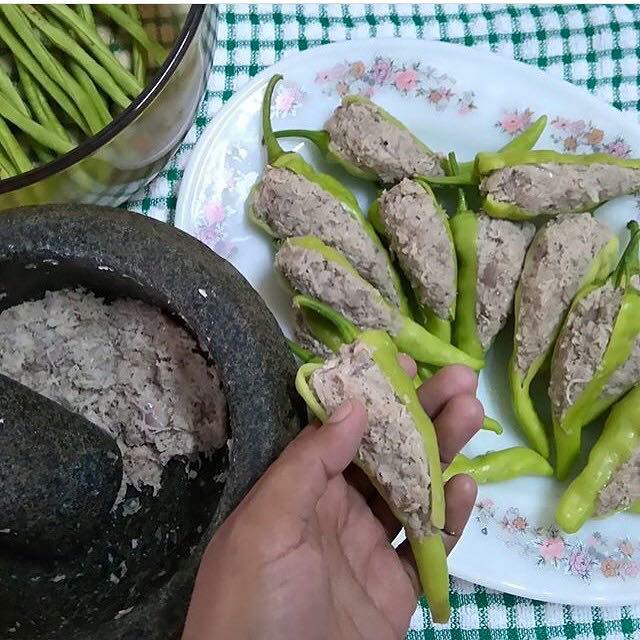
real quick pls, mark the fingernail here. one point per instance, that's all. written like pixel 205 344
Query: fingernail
pixel 341 412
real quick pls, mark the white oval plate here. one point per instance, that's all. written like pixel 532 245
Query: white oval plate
pixel 454 98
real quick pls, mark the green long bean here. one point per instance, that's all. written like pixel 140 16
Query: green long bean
pixel 87 14
pixel 13 148
pixel 34 129
pixel 67 44
pixel 139 55
pixel 94 43
pixel 6 166
pixel 99 103
pixel 39 104
pixel 35 102
pixel 9 91
pixel 53 67
pixel 157 52
pixel 24 56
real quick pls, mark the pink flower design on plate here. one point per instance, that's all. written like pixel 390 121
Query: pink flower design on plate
pixel 514 122
pixel 406 80
pixel 618 147
pixel 577 127
pixel 630 569
pixel 562 124
pixel 579 564
pixel 552 549
pixel 214 212
pixel 381 70
pixel 287 100
pixel 626 548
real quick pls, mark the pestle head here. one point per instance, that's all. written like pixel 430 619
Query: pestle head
pixel 60 474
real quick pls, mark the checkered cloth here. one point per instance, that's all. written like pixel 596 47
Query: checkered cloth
pixel 594 46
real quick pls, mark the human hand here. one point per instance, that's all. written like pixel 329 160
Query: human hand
pixel 307 554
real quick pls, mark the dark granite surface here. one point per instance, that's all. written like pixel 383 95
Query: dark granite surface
pixel 133 579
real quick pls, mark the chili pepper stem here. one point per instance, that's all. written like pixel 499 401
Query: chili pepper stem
pixel 274 150
pixel 319 138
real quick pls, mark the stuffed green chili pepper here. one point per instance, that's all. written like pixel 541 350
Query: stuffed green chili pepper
pixel 521 185
pixel 321 332
pixel 293 199
pixel 498 466
pixel 417 229
pixel 490 256
pixel 610 481
pixel 319 271
pixel 597 356
pixel 399 451
pixel 567 253
pixel 371 144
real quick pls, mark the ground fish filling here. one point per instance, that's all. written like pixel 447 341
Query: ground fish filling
pixel 553 188
pixel 557 262
pixel 581 346
pixel 310 273
pixel 501 247
pixel 294 206
pixel 392 451
pixel 422 244
pixel 622 490
pixel 360 134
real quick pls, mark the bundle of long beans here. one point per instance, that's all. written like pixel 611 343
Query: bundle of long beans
pixel 64 83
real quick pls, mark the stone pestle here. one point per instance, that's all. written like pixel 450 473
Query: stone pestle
pixel 59 474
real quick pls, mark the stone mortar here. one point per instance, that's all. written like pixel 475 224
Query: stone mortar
pixel 109 590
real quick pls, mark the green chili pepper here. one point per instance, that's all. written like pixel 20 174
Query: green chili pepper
pixel 488 163
pixel 465 228
pixel 498 466
pixel 524 409
pixel 409 336
pixel 434 323
pixel 620 438
pixel 593 401
pixel 524 141
pixel 278 158
pixel 319 320
pixel 322 140
pixel 428 550
pixel 301 353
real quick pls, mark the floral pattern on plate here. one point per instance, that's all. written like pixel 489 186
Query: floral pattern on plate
pixel 219 203
pixel 572 136
pixel 548 547
pixel 437 89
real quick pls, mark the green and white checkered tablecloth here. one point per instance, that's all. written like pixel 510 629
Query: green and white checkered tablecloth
pixel 594 46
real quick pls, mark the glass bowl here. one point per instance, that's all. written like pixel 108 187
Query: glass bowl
pixel 111 166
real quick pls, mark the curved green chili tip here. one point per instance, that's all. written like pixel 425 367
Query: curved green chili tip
pixel 431 560
pixel 619 439
pixel 498 466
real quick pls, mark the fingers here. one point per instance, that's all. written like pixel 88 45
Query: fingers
pixel 300 476
pixel 449 382
pixel 408 364
pixel 460 495
pixel 459 420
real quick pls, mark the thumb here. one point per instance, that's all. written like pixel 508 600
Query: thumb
pixel 301 474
